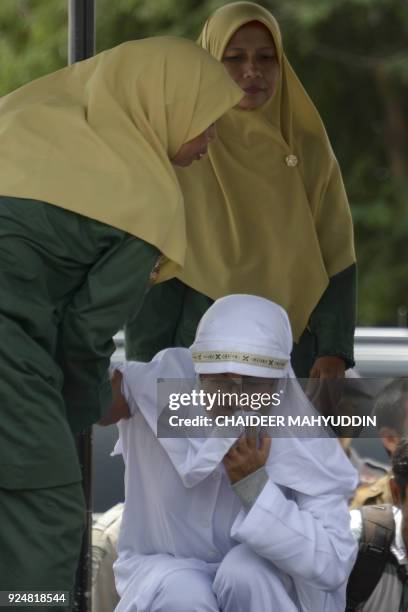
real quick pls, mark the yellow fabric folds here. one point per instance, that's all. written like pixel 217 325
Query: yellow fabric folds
pixel 95 138
pixel 256 223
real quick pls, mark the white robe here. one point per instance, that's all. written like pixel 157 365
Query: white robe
pixel 184 530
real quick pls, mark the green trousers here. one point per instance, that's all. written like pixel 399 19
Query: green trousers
pixel 67 285
pixel 40 538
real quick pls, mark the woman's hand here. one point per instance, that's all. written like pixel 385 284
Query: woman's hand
pixel 328 367
pixel 245 457
pixel 119 409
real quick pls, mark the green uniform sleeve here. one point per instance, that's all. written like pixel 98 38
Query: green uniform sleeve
pixel 334 318
pixel 114 288
pixel 153 327
pixel 169 316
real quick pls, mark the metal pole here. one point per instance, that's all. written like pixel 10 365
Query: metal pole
pixel 81 23
pixel 83 578
pixel 81 45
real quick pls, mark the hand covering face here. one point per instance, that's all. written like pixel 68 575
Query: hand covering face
pixel 267 212
pixel 96 137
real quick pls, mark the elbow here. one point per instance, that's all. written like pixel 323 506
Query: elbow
pixel 331 579
pixel 334 571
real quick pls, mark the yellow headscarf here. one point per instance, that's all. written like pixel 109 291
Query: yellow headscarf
pixel 95 138
pixel 267 212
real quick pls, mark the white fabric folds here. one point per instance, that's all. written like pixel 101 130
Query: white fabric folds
pixel 293 548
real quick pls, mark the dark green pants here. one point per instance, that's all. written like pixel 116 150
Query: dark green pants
pixel 67 285
pixel 40 538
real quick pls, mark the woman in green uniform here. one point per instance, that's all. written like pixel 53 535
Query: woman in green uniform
pixel 89 202
pixel 267 211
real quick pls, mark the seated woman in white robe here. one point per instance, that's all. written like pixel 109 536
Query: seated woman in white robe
pixel 213 523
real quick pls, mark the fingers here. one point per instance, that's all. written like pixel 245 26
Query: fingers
pixel 116 383
pixel 242 447
pixel 119 410
pixel 328 372
pixel 331 373
pixel 247 443
pixel 116 377
pixel 328 367
pixel 239 446
pixel 252 441
pixel 245 446
pixel 265 447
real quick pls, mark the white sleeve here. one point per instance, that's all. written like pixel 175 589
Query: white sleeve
pixel 309 538
pixel 193 458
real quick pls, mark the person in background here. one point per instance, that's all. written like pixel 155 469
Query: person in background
pixel 369 470
pixel 105 533
pixel 89 202
pixel 268 212
pixel 384 579
pixel 391 411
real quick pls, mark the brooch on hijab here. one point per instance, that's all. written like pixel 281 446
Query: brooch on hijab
pixel 291 161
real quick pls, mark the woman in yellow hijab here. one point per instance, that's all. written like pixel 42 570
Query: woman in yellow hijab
pixel 267 211
pixel 89 202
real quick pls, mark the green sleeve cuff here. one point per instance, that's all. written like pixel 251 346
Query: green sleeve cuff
pixel 334 318
pixel 86 404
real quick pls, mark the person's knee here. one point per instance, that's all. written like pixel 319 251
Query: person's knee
pixel 189 591
pixel 244 576
pixel 234 573
pixel 233 569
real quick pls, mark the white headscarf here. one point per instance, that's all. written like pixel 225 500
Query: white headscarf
pixel 239 334
pixel 251 336
pixel 243 334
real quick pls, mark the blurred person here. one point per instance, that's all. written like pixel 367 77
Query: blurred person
pixel 379 581
pixel 350 397
pixel 357 396
pixel 89 203
pixel 105 532
pixel 268 213
pixel 391 411
pixel 369 470
pixel 215 523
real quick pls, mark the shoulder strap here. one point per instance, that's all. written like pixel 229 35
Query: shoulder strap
pixel 374 552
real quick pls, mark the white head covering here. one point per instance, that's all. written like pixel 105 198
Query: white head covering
pixel 243 334
pixel 240 334
pixel 250 335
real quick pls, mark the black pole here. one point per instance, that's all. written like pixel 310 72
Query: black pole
pixel 81 23
pixel 81 45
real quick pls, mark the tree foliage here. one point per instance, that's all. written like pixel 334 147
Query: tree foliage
pixel 352 57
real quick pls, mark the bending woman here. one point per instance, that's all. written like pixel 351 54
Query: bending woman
pixel 267 210
pixel 89 203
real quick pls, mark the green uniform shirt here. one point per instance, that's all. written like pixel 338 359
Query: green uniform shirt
pixel 67 285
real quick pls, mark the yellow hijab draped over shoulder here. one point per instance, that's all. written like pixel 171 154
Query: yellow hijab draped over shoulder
pixel 95 138
pixel 266 212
